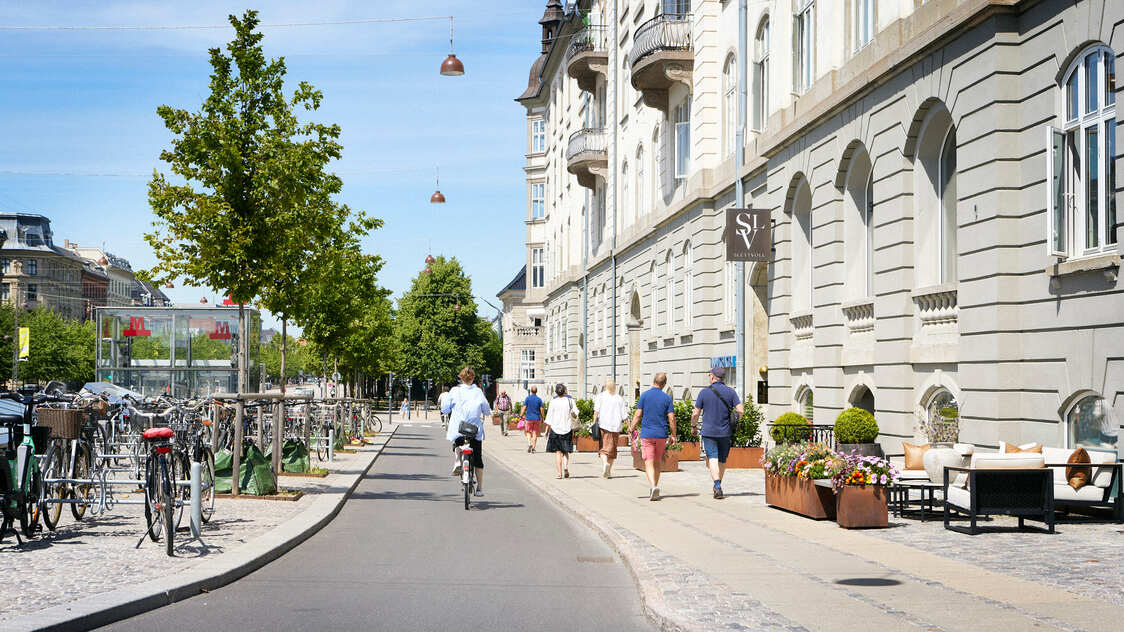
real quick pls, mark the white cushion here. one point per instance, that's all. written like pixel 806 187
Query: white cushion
pixel 964 449
pixel 912 475
pixel 960 497
pixel 1087 492
pixel 1013 461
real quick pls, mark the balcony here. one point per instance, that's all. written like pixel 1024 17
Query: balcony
pixel 661 56
pixel 587 156
pixel 588 56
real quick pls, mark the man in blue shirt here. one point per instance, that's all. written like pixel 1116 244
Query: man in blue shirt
pixel 656 416
pixel 532 418
pixel 715 403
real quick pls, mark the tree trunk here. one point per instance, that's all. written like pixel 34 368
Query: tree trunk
pixel 244 336
pixel 284 339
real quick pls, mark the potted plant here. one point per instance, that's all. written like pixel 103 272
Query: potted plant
pixel 791 428
pixel 583 441
pixel 745 446
pixel 861 485
pixel 855 432
pixel 791 472
pixel 669 462
pixel 685 435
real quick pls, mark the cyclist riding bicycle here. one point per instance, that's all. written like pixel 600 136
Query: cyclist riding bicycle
pixel 466 402
pixel 441 399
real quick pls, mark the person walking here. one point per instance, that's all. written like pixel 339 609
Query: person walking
pixel 609 413
pixel 715 403
pixel 466 402
pixel 560 417
pixel 532 419
pixel 503 404
pixel 441 399
pixel 656 416
pixel 405 410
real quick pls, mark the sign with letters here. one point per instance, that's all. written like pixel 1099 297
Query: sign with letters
pixel 136 328
pixel 749 235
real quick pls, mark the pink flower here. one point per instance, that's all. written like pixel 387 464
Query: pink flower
pixel 883 479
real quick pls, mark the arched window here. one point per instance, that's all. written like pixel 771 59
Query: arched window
pixel 625 214
pixel 641 184
pixel 863 398
pixel 654 297
pixel 858 202
pixel 729 294
pixel 941 417
pixel 802 248
pixel 669 279
pixel 1090 425
pixel 729 105
pixel 935 216
pixel 1081 170
pixel 761 75
pixel 688 287
pixel 805 404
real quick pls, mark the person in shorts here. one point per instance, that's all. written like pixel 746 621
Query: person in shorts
pixel 656 416
pixel 560 417
pixel 532 419
pixel 715 403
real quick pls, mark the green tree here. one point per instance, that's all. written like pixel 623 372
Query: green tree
pixel 437 323
pixel 492 349
pixel 59 349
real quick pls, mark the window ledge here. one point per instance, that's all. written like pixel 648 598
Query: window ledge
pixel 1109 263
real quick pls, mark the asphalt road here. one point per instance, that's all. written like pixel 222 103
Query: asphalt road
pixel 403 554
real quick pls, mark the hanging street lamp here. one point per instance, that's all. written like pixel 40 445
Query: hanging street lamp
pixel 451 67
pixel 437 197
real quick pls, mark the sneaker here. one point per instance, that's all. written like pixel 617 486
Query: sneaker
pixel 605 470
pixel 718 495
pixel 655 494
pixel 532 450
pixel 479 492
pixel 528 449
pixel 566 473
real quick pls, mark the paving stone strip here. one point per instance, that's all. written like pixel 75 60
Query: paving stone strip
pixel 98 555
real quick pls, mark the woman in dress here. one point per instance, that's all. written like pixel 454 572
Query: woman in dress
pixel 609 412
pixel 560 416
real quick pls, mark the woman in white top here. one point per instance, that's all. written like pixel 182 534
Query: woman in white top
pixel 609 412
pixel 560 417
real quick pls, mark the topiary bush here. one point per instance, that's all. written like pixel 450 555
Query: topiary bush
pixel 855 425
pixel 791 428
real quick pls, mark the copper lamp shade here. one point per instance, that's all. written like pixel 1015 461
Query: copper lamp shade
pixel 429 259
pixel 428 270
pixel 437 197
pixel 169 286
pixel 452 67
pixel 203 300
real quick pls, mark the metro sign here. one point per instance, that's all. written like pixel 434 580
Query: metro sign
pixel 222 331
pixel 136 328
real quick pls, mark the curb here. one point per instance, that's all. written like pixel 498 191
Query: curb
pixel 654 606
pixel 105 608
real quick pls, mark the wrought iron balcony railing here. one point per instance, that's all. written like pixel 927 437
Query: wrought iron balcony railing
pixel 667 31
pixel 592 38
pixel 586 140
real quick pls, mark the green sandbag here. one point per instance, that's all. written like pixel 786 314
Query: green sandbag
pixel 256 476
pixel 294 455
pixel 339 437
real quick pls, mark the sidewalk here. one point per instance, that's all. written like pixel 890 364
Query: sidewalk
pixel 704 564
pixel 91 573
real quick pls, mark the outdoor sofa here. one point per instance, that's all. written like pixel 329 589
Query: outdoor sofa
pixel 1000 484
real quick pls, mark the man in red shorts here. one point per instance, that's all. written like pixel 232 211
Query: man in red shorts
pixel 656 416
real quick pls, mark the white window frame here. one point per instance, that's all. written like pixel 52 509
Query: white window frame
pixel 862 23
pixel 538 268
pixel 669 282
pixel 538 136
pixel 868 227
pixel 1067 193
pixel 527 364
pixel 761 78
pixel 538 200
pixel 641 183
pixel 804 45
pixel 729 105
pixel 688 287
pixel 624 197
pixel 1068 422
pixel 681 139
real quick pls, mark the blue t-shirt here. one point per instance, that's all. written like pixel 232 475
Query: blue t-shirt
pixel 715 420
pixel 533 406
pixel 656 405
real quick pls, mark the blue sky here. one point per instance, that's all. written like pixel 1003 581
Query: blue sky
pixel 80 135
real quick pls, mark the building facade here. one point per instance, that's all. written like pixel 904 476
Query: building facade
pixel 521 330
pixel 35 272
pixel 941 177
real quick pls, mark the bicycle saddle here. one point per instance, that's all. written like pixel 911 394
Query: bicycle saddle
pixel 11 420
pixel 158 433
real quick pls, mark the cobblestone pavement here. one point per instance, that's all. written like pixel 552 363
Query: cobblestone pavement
pixel 97 555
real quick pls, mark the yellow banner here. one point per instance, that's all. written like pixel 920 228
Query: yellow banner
pixel 25 342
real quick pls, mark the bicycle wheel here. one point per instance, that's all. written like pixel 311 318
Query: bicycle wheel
pixel 167 497
pixel 467 494
pixel 81 491
pixel 32 509
pixel 321 447
pixel 52 468
pixel 376 423
pixel 152 499
pixel 207 493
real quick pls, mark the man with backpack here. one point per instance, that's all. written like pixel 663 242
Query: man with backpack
pixel 720 409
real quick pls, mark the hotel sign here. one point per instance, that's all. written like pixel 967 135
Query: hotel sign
pixel 749 235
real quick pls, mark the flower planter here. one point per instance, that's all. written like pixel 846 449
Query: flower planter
pixel 861 449
pixel 497 420
pixel 800 495
pixel 690 451
pixel 586 444
pixel 669 463
pixel 861 507
pixel 513 424
pixel 745 458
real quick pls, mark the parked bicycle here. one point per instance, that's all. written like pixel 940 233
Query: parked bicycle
pixel 22 490
pixel 160 487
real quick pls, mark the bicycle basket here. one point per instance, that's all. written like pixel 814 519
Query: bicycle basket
pixel 65 423
pixel 468 430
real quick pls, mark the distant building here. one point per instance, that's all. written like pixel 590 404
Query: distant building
pixel 118 269
pixel 33 271
pixel 146 294
pixel 95 288
pixel 522 338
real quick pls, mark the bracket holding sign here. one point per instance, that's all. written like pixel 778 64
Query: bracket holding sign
pixel 749 235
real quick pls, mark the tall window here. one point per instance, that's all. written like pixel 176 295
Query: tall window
pixel 538 136
pixel 538 268
pixel 947 193
pixel 1089 425
pixel 729 105
pixel 1081 170
pixel 669 291
pixel 729 294
pixel 682 138
pixel 676 7
pixel 935 222
pixel 804 45
pixel 688 287
pixel 32 267
pixel 641 184
pixel 32 292
pixel 761 75
pixel 538 194
pixel 858 227
pixel 868 224
pixel 653 283
pixel 527 364
pixel 805 403
pixel 802 248
pixel 5 292
pixel 862 22
pixel 622 207
pixel 4 263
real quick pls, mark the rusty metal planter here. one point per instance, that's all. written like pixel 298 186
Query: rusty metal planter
pixel 669 462
pixel 586 444
pixel 800 495
pixel 690 451
pixel 861 507
pixel 745 458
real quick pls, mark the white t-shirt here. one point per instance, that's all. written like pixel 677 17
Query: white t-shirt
pixel 611 411
pixel 441 399
pixel 558 414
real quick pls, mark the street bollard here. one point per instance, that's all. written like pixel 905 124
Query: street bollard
pixel 196 498
pixel 331 443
